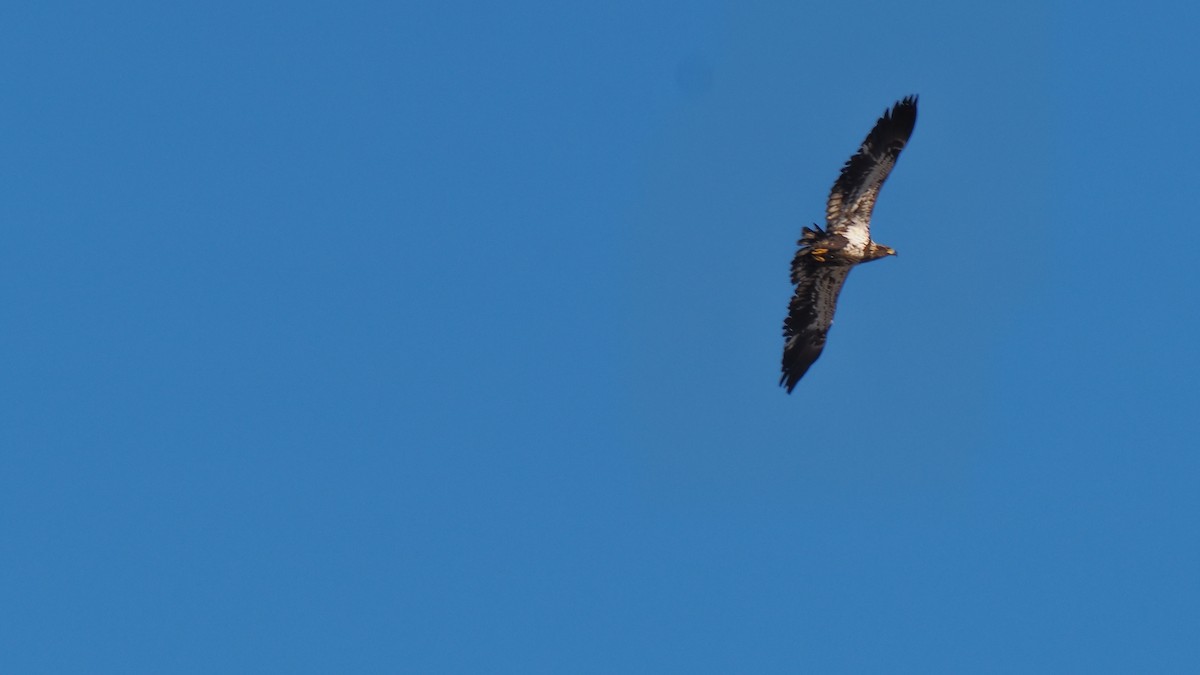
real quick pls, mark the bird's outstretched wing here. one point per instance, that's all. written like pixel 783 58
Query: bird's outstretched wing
pixel 810 313
pixel 848 211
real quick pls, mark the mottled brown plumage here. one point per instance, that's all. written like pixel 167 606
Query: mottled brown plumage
pixel 825 256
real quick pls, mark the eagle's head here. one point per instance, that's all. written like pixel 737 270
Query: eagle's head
pixel 877 251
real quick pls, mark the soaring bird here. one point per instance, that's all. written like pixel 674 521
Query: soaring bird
pixel 826 256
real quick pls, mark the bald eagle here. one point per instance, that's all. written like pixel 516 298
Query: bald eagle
pixel 826 256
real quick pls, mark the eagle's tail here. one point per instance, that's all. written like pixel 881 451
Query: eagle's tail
pixel 810 235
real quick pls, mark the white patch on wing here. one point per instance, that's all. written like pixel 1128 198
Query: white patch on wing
pixel 857 235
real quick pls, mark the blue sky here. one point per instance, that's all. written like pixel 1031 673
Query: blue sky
pixel 444 338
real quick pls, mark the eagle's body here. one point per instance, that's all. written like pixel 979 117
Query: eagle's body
pixel 826 256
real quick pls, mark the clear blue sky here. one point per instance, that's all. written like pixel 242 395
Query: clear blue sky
pixel 444 338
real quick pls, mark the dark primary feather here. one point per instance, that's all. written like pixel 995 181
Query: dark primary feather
pixel 847 213
pixel 810 313
pixel 854 192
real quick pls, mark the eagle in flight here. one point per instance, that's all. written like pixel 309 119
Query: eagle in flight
pixel 826 256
